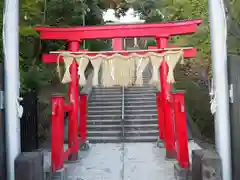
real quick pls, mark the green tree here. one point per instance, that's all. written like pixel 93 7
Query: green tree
pixel 50 13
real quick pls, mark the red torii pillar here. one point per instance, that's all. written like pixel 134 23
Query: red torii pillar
pixel 165 99
pixel 168 129
pixel 117 44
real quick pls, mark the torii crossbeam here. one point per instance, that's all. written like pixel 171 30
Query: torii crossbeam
pixel 119 31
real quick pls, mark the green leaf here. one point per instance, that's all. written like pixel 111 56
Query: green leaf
pixel 28 31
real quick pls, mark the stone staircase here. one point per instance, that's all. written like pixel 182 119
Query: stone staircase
pixel 140 120
pixel 140 114
pixel 104 115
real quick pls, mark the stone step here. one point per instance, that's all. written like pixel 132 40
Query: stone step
pixel 104 122
pixel 119 122
pixel 126 95
pixel 104 100
pixel 140 98
pixel 99 88
pixel 107 95
pixel 104 139
pixel 101 128
pixel 141 110
pixel 140 116
pixel 119 98
pixel 145 107
pixel 153 133
pixel 141 139
pixel 117 107
pixel 139 103
pixel 103 103
pixel 126 121
pixel 144 87
pixel 127 134
pixel 126 116
pixel 141 90
pixel 119 111
pixel 116 133
pixel 141 131
pixel 105 112
pixel 133 91
pixel 104 116
pixel 106 92
pixel 97 108
pixel 139 95
pixel 127 127
pixel 140 121
pixel 127 102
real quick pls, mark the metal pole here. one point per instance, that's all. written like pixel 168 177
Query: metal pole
pixel 11 67
pixel 219 62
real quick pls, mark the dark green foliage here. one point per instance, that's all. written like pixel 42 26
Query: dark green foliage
pixel 35 74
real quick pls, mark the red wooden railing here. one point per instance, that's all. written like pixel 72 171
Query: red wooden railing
pixel 181 137
pixel 179 126
pixel 75 138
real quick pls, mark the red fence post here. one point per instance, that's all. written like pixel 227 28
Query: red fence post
pixel 83 117
pixel 57 133
pixel 162 42
pixel 181 130
pixel 160 116
pixel 73 143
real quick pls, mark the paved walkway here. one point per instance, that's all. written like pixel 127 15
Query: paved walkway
pixel 131 161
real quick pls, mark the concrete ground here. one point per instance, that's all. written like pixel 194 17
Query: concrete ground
pixel 129 161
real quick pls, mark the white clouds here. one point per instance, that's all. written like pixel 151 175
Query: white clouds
pixel 109 15
pixel 130 17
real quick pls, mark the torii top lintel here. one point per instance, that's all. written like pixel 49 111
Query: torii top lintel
pixel 119 31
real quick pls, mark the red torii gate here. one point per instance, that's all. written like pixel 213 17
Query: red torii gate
pixel 74 36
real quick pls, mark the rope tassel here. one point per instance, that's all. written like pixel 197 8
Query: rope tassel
pixel 172 58
pixel 132 70
pixel 68 60
pixel 96 63
pixel 82 65
pixel 141 65
pixel 156 62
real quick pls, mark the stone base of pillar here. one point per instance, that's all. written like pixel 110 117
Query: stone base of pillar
pixel 160 143
pixel 85 146
pixel 206 165
pixel 181 173
pixel 73 157
pixel 59 175
pixel 29 166
pixel 170 155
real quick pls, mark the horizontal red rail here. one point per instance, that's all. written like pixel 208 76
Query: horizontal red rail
pixel 119 31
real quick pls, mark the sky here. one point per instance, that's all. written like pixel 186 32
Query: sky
pixel 130 17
